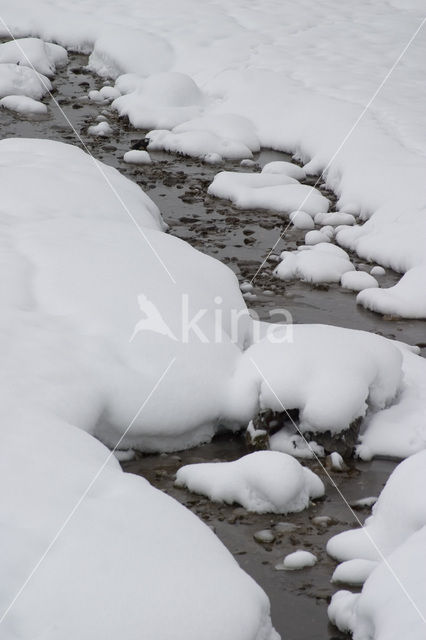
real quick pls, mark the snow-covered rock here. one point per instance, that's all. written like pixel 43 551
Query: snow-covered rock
pixel 297 560
pixel 44 57
pixel 275 191
pixel 285 168
pixel 358 280
pixel 316 237
pixel 23 105
pixel 103 129
pixel 18 80
pixel 263 482
pixel 137 157
pixel 319 263
pixel 302 220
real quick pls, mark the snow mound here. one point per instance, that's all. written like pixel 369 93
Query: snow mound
pixel 331 375
pixel 298 560
pixel 393 597
pixel 335 219
pixel 17 80
pixel 262 482
pixel 406 299
pixel 44 57
pixel 103 130
pixel 50 170
pixel 23 105
pixel 222 136
pixel 302 220
pixel 358 280
pixel 316 264
pixel 317 237
pixel 121 50
pixel 161 101
pixel 128 551
pixel 274 191
pixel 137 157
pixel 285 168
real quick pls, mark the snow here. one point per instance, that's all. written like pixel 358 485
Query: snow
pixel 298 560
pixel 393 538
pixel 400 430
pixel 377 271
pixel 137 157
pixel 331 375
pixel 336 462
pixel 316 264
pixel 335 219
pixel 358 280
pixel 301 220
pixel 285 168
pixel 109 93
pixel 161 101
pixel 262 482
pixel 295 445
pixel 17 80
pixel 275 191
pixel 43 57
pixel 23 105
pixel 127 553
pixel 103 129
pixel 222 136
pixel 316 237
pixel 353 572
pixel 407 298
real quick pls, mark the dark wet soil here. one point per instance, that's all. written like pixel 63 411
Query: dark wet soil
pixel 240 239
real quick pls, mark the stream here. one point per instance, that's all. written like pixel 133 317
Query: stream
pixel 241 239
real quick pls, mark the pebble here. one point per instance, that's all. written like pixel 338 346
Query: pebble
pixel 265 536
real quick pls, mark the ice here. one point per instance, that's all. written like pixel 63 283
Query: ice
pixel 297 560
pixel 407 298
pixel 43 57
pixel 137 157
pixel 315 264
pixel 18 80
pixel 358 280
pixel 285 168
pixel 23 105
pixel 263 482
pixel 275 191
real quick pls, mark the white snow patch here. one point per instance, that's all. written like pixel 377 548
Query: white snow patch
pixel 358 280
pixel 23 105
pixel 297 560
pixel 285 168
pixel 135 156
pixel 263 482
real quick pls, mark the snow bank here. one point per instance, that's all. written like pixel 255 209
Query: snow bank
pixel 393 596
pixel 161 101
pixel 263 482
pixel 400 430
pixel 130 557
pixel 316 264
pixel 23 105
pixel 276 191
pixel 44 57
pixel 224 136
pixel 406 299
pixel 330 375
pixel 18 80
